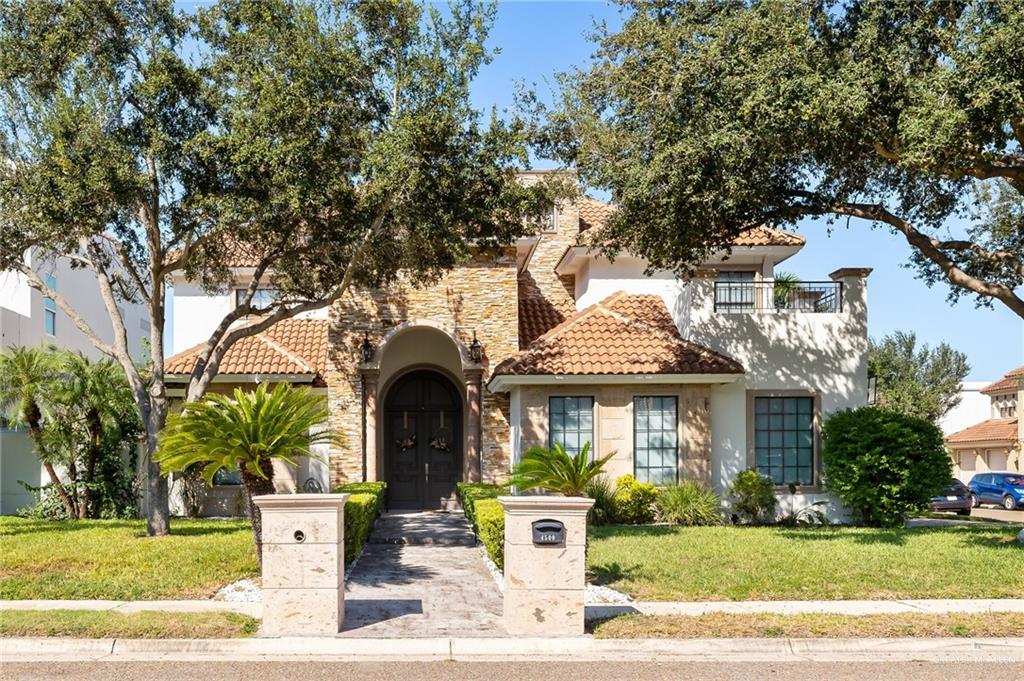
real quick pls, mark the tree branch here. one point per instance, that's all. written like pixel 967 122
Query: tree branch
pixel 35 282
pixel 929 249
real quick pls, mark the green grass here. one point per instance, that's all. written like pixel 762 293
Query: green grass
pixel 113 559
pixel 771 563
pixel 145 624
pixel 724 625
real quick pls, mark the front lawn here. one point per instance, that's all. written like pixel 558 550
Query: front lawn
pixel 726 625
pixel 772 563
pixel 145 624
pixel 113 559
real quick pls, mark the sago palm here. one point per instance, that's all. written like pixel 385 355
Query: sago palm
pixel 555 470
pixel 246 432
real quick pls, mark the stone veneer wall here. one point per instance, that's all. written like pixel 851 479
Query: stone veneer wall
pixel 613 423
pixel 480 296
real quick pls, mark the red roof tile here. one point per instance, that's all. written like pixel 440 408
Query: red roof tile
pixel 623 334
pixel 537 313
pixel 991 430
pixel 1010 382
pixel 290 347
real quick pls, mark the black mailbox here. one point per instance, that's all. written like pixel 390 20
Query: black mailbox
pixel 547 532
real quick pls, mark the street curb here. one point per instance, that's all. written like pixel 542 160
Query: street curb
pixel 479 649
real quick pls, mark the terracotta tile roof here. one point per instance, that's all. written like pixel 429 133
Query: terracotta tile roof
pixel 537 313
pixel 986 431
pixel 593 213
pixel 1008 383
pixel 766 236
pixel 623 334
pixel 292 346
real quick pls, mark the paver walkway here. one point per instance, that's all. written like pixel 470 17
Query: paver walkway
pixel 421 576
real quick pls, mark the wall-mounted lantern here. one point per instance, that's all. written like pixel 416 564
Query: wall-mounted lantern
pixel 366 349
pixel 476 350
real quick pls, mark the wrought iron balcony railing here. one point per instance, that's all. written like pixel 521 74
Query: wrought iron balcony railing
pixel 744 297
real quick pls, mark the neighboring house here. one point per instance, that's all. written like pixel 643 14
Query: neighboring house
pixel 547 341
pixel 27 318
pixel 994 444
pixel 974 406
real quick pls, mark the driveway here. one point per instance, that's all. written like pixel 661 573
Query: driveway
pixel 998 514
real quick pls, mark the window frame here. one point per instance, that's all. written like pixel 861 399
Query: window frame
pixel 678 435
pixel 50 307
pixel 732 306
pixel 816 421
pixel 593 420
pixel 241 291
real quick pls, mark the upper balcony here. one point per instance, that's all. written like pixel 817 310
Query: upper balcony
pixel 778 296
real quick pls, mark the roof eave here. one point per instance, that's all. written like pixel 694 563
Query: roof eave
pixel 503 382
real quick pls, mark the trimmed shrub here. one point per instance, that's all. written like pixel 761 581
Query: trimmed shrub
pixel 361 510
pixel 471 492
pixel 480 504
pixel 883 464
pixel 689 503
pixel 603 510
pixel 634 501
pixel 490 528
pixel 753 497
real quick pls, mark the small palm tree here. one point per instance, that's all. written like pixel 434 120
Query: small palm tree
pixel 27 376
pixel 246 432
pixel 785 284
pixel 555 470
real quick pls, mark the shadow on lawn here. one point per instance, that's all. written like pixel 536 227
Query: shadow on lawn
pixel 977 536
pixel 609 573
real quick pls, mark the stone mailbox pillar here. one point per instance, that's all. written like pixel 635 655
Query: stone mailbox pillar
pixel 545 555
pixel 303 563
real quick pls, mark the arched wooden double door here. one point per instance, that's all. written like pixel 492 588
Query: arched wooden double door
pixel 422 441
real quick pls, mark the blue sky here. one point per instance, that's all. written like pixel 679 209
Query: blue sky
pixel 537 39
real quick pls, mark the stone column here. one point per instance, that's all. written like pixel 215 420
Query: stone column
pixel 544 583
pixel 370 377
pixel 474 418
pixel 303 563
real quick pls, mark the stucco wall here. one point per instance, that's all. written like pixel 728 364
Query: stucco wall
pixel 613 422
pixel 21 311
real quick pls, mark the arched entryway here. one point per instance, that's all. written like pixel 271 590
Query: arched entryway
pixel 422 441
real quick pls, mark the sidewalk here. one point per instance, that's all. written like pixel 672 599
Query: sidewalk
pixel 505 649
pixel 936 606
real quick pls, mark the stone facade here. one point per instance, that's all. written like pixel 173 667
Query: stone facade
pixel 478 297
pixel 475 298
pixel 613 422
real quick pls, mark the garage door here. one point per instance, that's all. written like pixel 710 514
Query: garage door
pixel 996 460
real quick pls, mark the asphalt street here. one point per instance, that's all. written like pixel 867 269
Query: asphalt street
pixel 506 671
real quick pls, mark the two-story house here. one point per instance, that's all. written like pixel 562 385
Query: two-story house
pixel 997 443
pixel 28 318
pixel 548 341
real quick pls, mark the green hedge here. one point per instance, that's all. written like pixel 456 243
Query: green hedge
pixel 479 503
pixel 361 511
pixel 490 527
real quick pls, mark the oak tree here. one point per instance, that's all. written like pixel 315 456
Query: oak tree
pixel 326 143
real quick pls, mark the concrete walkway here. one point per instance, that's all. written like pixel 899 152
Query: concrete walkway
pixel 421 576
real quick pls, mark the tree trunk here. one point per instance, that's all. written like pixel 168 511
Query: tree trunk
pixel 156 500
pixel 257 486
pixel 95 437
pixel 34 418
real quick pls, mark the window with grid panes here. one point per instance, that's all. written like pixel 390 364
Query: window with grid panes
pixel 571 423
pixel 784 439
pixel 655 439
